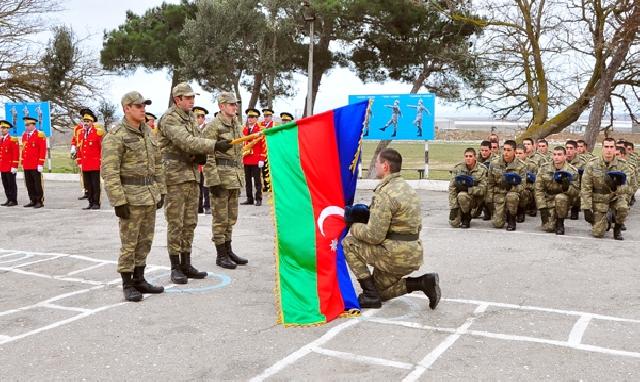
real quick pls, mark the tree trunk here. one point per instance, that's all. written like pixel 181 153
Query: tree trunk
pixel 255 90
pixel 175 79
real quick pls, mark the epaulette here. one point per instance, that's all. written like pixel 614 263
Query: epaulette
pixel 100 131
pixel 14 139
pixel 41 134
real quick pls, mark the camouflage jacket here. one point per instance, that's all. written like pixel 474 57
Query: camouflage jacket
pixel 586 157
pixel 224 168
pixel 545 186
pixel 131 153
pixel 540 158
pixel 578 162
pixel 478 172
pixel 594 192
pixel 495 180
pixel 485 162
pixel 179 139
pixel 532 167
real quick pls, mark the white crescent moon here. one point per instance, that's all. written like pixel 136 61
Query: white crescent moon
pixel 331 210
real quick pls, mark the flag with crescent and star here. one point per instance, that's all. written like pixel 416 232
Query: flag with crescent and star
pixel 314 167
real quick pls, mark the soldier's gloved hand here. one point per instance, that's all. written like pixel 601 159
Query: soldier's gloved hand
pixel 453 214
pixel 565 184
pixel 216 190
pixel 73 156
pixel 200 159
pixel 14 170
pixel 608 180
pixel 40 168
pixel 160 202
pixel 223 145
pixel 588 216
pixel 123 211
pixel 461 187
pixel 260 164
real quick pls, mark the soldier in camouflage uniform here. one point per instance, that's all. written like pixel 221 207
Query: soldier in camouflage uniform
pixel 542 155
pixel 621 153
pixel 464 199
pixel 504 197
pixel 390 241
pixel 583 151
pixel 182 150
pixel 577 161
pixel 599 193
pixel 554 193
pixel 223 174
pixel 485 156
pixel 632 157
pixel 527 197
pixel 134 182
pixel 532 169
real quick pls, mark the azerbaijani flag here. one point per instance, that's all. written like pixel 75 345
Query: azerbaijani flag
pixel 313 166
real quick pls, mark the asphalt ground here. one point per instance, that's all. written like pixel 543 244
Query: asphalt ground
pixel 523 305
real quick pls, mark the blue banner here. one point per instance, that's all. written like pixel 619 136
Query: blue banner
pixel 400 116
pixel 14 112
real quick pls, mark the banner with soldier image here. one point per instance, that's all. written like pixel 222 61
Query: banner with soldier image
pixel 15 111
pixel 399 116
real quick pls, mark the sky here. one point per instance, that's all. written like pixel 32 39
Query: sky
pixel 90 18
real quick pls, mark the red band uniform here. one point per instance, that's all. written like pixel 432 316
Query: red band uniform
pixel 9 160
pixel 254 155
pixel 34 151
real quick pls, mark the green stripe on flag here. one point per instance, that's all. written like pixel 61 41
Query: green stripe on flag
pixel 295 230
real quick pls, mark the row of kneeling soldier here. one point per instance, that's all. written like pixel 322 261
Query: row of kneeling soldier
pixel 557 184
pixel 144 170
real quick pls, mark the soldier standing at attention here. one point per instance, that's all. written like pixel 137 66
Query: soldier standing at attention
pixel 182 150
pixel 286 117
pixel 253 158
pixel 467 189
pixel 204 205
pixel 76 154
pixel 390 240
pixel 556 186
pixel 504 185
pixel 34 151
pixel 9 160
pixel 603 189
pixel 134 182
pixel 223 176
pixel 90 151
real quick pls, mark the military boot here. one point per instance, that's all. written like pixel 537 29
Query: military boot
pixel 222 259
pixel 617 231
pixel 520 215
pixel 575 210
pixel 511 221
pixel 429 284
pixel 486 213
pixel 559 226
pixel 369 298
pixel 128 289
pixel 623 227
pixel 141 284
pixel 235 258
pixel 544 216
pixel 465 219
pixel 177 277
pixel 188 269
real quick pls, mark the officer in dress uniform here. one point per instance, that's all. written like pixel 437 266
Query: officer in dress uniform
pixel 91 152
pixel 286 117
pixel 204 204
pixel 34 151
pixel 9 161
pixel 254 155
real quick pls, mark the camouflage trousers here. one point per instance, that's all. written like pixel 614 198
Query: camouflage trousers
pixel 224 214
pixel 527 199
pixel 466 204
pixel 391 261
pixel 503 203
pixel 181 212
pixel 136 236
pixel 558 206
pixel 618 206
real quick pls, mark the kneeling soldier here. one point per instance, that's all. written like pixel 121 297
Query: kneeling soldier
pixel 466 189
pixel 504 186
pixel 556 185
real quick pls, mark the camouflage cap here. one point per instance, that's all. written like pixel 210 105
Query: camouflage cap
pixel 134 98
pixel 183 89
pixel 227 97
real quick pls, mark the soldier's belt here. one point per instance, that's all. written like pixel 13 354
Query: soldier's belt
pixel 178 157
pixel 137 180
pixel 403 236
pixel 226 162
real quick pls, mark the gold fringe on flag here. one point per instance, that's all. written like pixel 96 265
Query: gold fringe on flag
pixel 365 127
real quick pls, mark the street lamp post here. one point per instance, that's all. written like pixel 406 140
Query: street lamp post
pixel 310 17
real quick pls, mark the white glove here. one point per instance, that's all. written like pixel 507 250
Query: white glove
pixel 73 150
pixel 261 164
pixel 14 170
pixel 40 168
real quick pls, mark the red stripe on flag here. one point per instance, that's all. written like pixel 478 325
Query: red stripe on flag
pixel 321 164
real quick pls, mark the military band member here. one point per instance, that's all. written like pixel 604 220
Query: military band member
pixel 76 155
pixel 253 159
pixel 151 119
pixel 286 117
pixel 467 189
pixel 182 150
pixel 9 161
pixel 504 186
pixel 389 241
pixel 223 176
pixel 604 188
pixel 134 182
pixel 267 123
pixel 34 151
pixel 90 150
pixel 556 186
pixel 204 204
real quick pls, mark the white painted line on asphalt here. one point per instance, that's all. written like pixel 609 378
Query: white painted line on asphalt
pixel 86 269
pixel 363 358
pixel 436 353
pixel 308 348
pixel 575 337
pixel 69 308
pixel 22 265
pixel 72 279
pixel 412 325
pixel 25 256
pixel 4 338
pixel 11 253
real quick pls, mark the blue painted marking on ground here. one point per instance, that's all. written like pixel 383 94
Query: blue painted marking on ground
pixel 224 281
